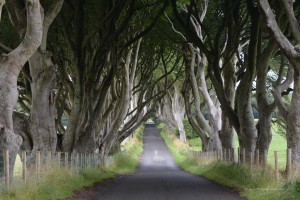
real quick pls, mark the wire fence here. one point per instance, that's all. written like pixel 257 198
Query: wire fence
pixel 32 166
pixel 280 161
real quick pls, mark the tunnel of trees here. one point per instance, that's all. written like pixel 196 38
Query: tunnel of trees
pixel 81 76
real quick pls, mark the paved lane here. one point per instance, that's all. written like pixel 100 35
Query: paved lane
pixel 158 178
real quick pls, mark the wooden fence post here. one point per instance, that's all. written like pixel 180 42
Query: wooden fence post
pixel 251 159
pixel 82 161
pixel 88 160
pixel 221 155
pixel 257 157
pixel 233 155
pixel 265 158
pixel 59 158
pixel 6 168
pixel 38 164
pixel 244 155
pixel 276 165
pixel 77 162
pixel 239 156
pixel 71 162
pixel 94 160
pixel 288 162
pixel 225 155
pixel 66 159
pixel 24 165
pixel 48 159
pixel 229 155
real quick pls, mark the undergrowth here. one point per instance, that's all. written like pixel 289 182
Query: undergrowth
pixel 60 183
pixel 253 183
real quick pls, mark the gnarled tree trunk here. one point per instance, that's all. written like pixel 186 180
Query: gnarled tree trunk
pixel 179 112
pixel 227 133
pixel 42 70
pixel 10 67
pixel 265 107
pixel 292 52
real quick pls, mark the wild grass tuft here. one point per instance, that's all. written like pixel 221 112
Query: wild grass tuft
pixel 127 161
pixel 57 183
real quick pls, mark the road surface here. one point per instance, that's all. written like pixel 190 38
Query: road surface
pixel 158 178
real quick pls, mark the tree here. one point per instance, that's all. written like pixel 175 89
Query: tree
pixel 10 67
pixel 292 53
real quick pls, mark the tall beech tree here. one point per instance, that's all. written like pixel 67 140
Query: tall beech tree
pixel 43 71
pixel 214 43
pixel 290 47
pixel 10 67
pixel 40 76
pixel 97 55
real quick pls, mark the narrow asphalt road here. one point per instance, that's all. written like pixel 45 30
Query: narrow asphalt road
pixel 159 178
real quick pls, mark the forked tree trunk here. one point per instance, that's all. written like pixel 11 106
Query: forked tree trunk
pixel 10 67
pixel 248 132
pixel 265 107
pixel 42 70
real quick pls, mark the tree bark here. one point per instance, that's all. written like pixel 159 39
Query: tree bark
pixel 179 112
pixel 227 132
pixel 292 52
pixel 42 114
pixel 248 132
pixel 22 128
pixel 265 107
pixel 208 132
pixel 293 122
pixel 10 67
pixel 2 2
pixel 42 71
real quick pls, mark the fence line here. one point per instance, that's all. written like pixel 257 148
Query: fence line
pixel 241 157
pixel 31 166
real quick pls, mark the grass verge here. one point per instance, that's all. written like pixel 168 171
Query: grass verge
pixel 252 183
pixel 60 183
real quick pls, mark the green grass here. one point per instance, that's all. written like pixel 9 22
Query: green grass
pixel 130 155
pixel 278 144
pixel 195 144
pixel 60 183
pixel 57 184
pixel 252 183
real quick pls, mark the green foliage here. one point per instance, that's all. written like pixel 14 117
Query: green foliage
pixel 189 131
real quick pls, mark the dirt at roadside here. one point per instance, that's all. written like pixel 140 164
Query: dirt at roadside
pixel 92 192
